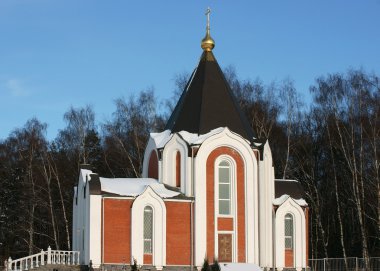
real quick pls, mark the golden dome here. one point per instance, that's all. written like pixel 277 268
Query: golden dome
pixel 208 43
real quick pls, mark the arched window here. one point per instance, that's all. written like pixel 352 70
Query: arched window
pixel 289 231
pixel 148 229
pixel 153 165
pixel 178 169
pixel 224 169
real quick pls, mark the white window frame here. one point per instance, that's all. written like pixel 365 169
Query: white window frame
pixel 233 203
pixel 233 191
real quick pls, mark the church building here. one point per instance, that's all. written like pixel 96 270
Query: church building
pixel 207 190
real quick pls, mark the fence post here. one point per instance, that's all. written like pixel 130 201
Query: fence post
pixel 9 266
pixel 42 257
pixel 356 263
pixel 49 255
pixel 324 264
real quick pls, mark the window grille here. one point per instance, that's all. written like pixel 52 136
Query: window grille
pixel 148 229
pixel 224 188
pixel 289 231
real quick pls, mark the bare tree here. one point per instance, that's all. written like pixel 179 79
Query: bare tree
pixel 259 102
pixel 80 121
pixel 349 104
pixel 28 143
pixel 126 136
pixel 47 174
pixel 292 116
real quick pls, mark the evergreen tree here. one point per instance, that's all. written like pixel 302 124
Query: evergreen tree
pixel 134 265
pixel 215 266
pixel 206 266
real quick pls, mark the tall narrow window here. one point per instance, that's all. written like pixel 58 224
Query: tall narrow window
pixel 224 169
pixel 148 229
pixel 288 231
pixel 178 169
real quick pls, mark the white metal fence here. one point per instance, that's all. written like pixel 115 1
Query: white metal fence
pixel 348 264
pixel 44 257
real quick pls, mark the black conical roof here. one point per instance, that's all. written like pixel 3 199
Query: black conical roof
pixel 208 103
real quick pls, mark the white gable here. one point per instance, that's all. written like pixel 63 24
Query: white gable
pixel 134 187
pixel 283 198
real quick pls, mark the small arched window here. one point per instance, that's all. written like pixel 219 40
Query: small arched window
pixel 224 170
pixel 289 233
pixel 178 169
pixel 148 229
pixel 153 165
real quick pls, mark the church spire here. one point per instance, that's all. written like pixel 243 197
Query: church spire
pixel 207 101
pixel 208 43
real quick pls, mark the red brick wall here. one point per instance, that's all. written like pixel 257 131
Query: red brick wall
pixel 289 258
pixel 240 201
pixel 178 233
pixel 148 259
pixel 117 230
pixel 225 224
pixel 153 165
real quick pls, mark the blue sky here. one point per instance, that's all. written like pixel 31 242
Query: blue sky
pixel 57 54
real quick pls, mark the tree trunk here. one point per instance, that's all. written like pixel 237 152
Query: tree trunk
pixel 352 165
pixel 46 171
pixel 56 175
pixel 341 232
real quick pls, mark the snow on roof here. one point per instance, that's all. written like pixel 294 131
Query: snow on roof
pixel 161 138
pixel 239 267
pixel 198 139
pixel 84 173
pixel 257 144
pixel 279 201
pixel 134 187
pixel 191 138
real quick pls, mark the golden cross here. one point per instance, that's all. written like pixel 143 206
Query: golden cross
pixel 208 11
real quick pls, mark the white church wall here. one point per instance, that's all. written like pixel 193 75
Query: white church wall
pixel 200 228
pixel 81 218
pixel 160 171
pixel 189 177
pixel 175 144
pixel 266 196
pixel 95 235
pixel 87 222
pixel 299 250
pixel 226 139
pixel 74 225
pixel 149 198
